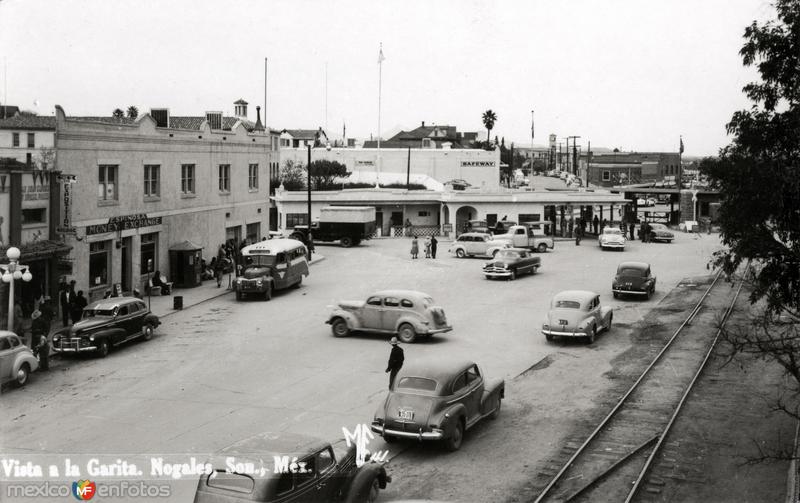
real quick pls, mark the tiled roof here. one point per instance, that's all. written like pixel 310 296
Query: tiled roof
pixel 303 134
pixel 240 101
pixel 28 122
pixel 188 122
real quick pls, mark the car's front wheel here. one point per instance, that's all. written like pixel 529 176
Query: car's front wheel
pixel 453 443
pixel 460 253
pixel 542 247
pixel 22 374
pixel 346 242
pixel 102 348
pixel 406 333
pixel 147 332
pixel 339 328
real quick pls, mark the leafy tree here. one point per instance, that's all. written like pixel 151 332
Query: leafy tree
pixel 489 118
pixel 118 113
pixel 293 175
pixel 133 112
pixel 758 175
pixel 324 174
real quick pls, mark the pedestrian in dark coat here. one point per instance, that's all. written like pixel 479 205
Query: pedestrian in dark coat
pixel 434 244
pixel 43 352
pixel 66 297
pixel 596 223
pixel 220 265
pixel 77 307
pixel 40 329
pixel 632 228
pixel 396 359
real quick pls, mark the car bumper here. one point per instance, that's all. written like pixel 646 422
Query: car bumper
pixel 420 435
pixel 432 331
pixel 612 245
pixel 497 273
pixel 629 292
pixel 560 333
pixel 73 349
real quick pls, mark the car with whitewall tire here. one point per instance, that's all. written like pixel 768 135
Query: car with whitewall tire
pixel 576 313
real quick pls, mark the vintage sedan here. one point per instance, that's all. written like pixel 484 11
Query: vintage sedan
pixel 470 244
pixel 660 232
pixel 613 238
pixel 510 263
pixel 290 468
pixel 438 400
pixel 107 323
pixel 576 313
pixel 16 359
pixel 634 278
pixel 406 313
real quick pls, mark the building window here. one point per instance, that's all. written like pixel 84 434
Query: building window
pixel 252 179
pixel 98 263
pixel 606 175
pixel 148 253
pixel 29 159
pixel 31 142
pixel 529 217
pixel 187 178
pixel 34 216
pixel 224 177
pixel 15 139
pixel 424 213
pixel 293 219
pixel 253 232
pixel 151 175
pixel 107 182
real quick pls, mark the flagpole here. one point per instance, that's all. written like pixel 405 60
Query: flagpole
pixel 380 71
pixel 531 173
pixel 265 96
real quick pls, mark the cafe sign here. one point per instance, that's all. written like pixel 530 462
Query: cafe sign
pixel 122 223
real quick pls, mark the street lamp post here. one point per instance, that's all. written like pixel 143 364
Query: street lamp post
pixel 308 186
pixel 13 271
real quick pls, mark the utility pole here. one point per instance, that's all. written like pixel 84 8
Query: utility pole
pixel 574 153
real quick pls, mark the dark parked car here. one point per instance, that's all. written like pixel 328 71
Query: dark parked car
pixel 107 323
pixel 510 263
pixel 438 400
pixel 290 468
pixel 634 278
pixel 660 232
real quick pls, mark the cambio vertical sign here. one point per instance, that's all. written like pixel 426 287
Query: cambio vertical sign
pixel 66 224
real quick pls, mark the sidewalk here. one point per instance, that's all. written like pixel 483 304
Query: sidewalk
pixel 164 305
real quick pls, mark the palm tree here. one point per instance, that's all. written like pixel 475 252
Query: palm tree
pixel 133 112
pixel 118 113
pixel 489 119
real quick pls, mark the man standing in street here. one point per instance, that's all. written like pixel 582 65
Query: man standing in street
pixel 396 359
pixel 434 243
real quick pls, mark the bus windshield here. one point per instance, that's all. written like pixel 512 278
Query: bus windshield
pixel 259 260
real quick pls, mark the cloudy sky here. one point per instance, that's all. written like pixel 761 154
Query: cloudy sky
pixel 631 74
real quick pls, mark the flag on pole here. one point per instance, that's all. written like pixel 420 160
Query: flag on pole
pixel 681 149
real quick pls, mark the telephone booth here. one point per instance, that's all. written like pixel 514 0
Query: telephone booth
pixel 185 264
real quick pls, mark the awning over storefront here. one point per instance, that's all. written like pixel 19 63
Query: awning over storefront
pixel 38 250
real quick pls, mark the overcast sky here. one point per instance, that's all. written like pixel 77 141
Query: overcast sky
pixel 631 74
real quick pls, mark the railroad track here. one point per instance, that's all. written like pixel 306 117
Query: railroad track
pixel 612 462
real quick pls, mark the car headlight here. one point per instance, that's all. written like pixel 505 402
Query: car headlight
pixel 56 338
pixel 91 338
pixel 545 326
pixel 259 281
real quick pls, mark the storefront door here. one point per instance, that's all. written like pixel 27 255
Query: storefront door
pixel 126 264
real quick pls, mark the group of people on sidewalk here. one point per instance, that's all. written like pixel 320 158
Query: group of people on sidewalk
pixel 431 244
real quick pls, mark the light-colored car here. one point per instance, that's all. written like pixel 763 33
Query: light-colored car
pixel 611 237
pixel 437 400
pixel 407 313
pixel 660 232
pixel 471 244
pixel 16 359
pixel 576 313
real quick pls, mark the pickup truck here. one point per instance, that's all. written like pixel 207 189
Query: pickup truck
pixel 521 236
pixel 347 224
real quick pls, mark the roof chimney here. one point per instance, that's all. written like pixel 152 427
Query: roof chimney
pixel 258 126
pixel 423 123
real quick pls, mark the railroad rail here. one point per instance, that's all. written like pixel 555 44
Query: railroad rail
pixel 614 460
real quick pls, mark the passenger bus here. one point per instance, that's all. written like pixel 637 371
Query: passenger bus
pixel 271 265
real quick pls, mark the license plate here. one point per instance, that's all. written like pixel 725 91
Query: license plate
pixel 406 414
pixel 563 322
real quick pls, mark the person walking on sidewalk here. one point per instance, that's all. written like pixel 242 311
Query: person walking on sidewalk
pixel 40 329
pixel 434 244
pixel 77 307
pixel 428 247
pixel 396 359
